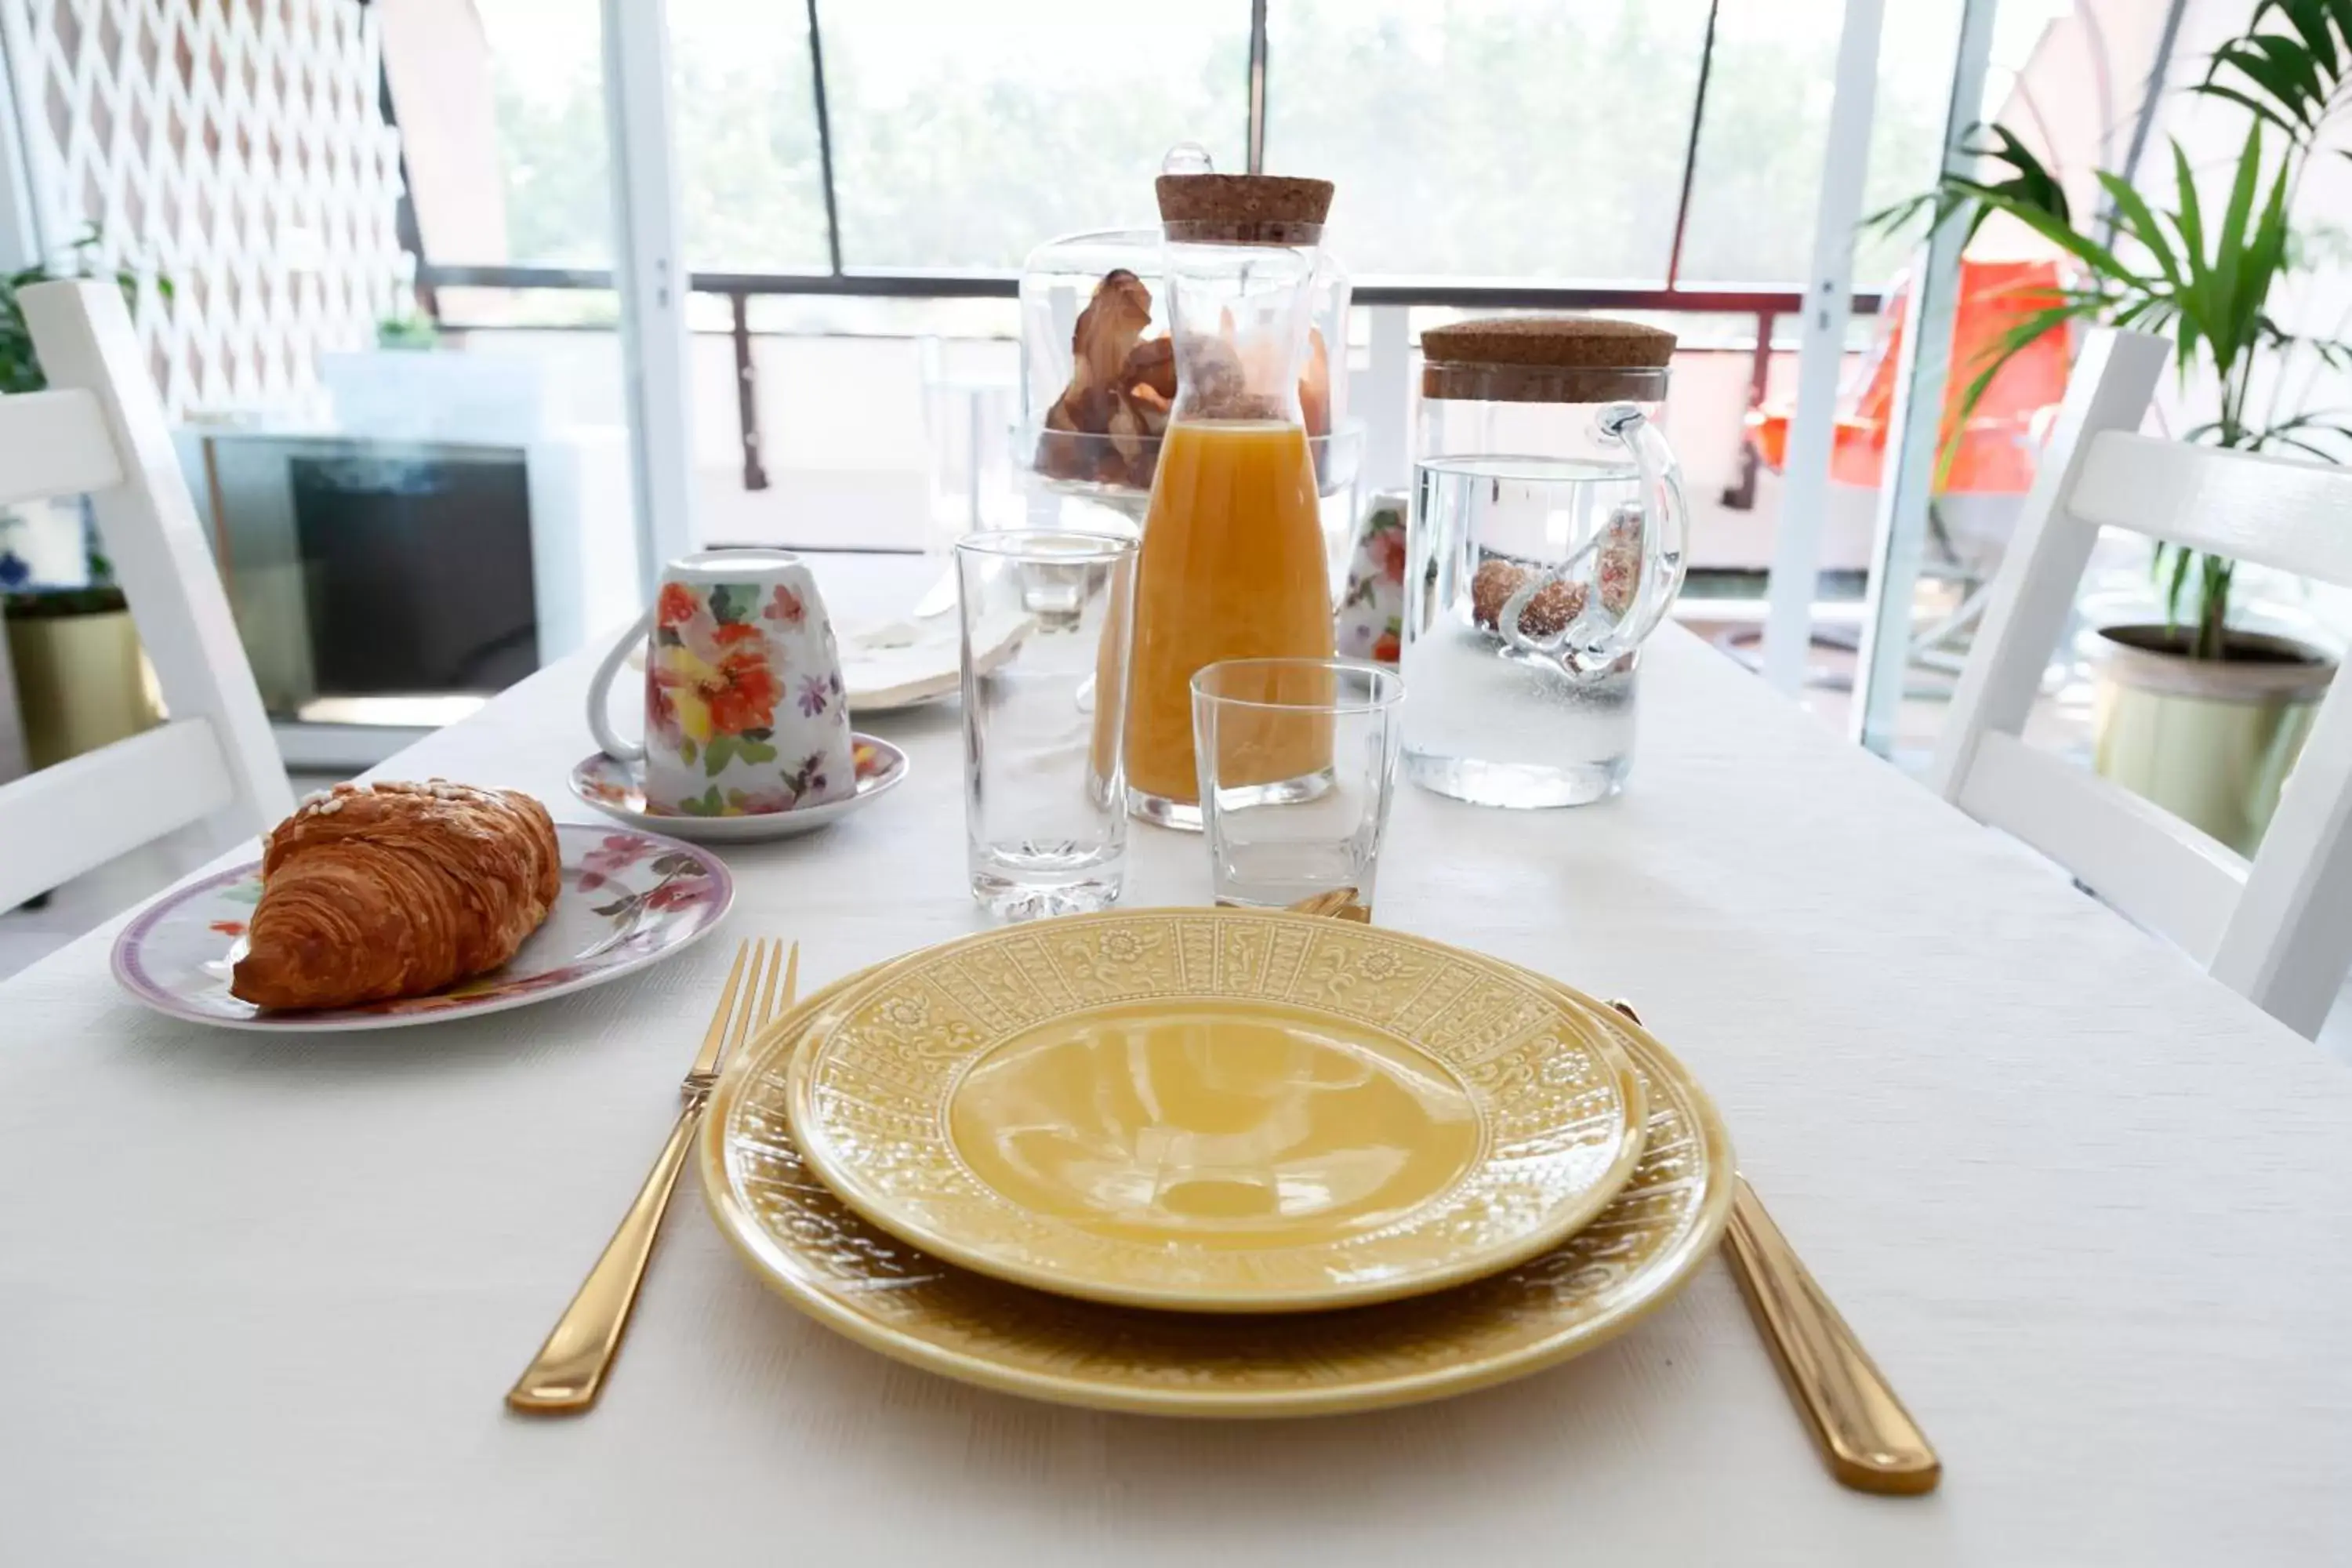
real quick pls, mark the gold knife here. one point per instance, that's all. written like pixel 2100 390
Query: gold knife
pixel 1866 1436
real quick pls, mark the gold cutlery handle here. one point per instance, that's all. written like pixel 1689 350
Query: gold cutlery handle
pixel 570 1368
pixel 1869 1439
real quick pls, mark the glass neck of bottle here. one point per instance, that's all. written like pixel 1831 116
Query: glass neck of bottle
pixel 1240 315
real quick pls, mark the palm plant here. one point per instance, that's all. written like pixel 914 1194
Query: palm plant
pixel 2206 279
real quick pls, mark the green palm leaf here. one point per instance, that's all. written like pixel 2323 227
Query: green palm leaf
pixel 2190 219
pixel 2205 279
pixel 2285 77
pixel 2135 218
pixel 2230 240
pixel 2027 184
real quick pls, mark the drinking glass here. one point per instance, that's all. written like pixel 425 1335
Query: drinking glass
pixel 1046 627
pixel 1297 760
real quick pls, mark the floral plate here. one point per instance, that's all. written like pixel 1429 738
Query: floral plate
pixel 628 900
pixel 616 788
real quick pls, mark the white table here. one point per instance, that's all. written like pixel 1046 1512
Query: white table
pixel 259 1298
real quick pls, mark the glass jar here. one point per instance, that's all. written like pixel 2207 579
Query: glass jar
pixel 1234 563
pixel 1088 448
pixel 1546 541
pixel 1093 301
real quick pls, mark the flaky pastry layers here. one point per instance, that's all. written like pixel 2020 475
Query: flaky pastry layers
pixel 373 891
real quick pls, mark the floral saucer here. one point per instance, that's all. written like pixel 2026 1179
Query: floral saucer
pixel 628 900
pixel 617 789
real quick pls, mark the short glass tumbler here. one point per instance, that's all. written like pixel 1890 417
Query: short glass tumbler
pixel 1046 627
pixel 1297 758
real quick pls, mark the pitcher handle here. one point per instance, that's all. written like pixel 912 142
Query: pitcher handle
pixel 1665 525
pixel 1601 634
pixel 599 685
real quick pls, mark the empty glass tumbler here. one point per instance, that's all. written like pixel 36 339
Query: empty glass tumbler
pixel 1296 759
pixel 1045 627
pixel 1546 541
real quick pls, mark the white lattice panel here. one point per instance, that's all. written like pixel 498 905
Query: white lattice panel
pixel 235 146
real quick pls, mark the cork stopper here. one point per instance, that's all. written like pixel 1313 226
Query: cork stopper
pixel 1580 342
pixel 1244 209
pixel 1546 359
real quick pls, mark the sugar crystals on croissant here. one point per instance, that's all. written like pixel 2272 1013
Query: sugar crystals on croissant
pixel 374 891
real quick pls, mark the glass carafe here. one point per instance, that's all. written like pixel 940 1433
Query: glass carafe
pixel 1546 541
pixel 1232 562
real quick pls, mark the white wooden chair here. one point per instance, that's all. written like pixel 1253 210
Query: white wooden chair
pixel 100 429
pixel 2278 931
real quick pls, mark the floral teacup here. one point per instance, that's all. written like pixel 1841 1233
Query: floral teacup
pixel 1371 608
pixel 744 711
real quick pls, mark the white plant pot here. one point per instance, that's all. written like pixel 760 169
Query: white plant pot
pixel 2210 741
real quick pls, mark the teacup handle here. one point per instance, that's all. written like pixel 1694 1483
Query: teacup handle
pixel 600 686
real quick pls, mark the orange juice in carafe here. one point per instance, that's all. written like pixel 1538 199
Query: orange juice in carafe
pixel 1232 567
pixel 1232 562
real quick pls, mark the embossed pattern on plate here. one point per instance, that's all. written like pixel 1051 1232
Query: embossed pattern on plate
pixel 893 1298
pixel 1216 1110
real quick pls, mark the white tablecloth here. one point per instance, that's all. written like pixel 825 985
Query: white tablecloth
pixel 260 1297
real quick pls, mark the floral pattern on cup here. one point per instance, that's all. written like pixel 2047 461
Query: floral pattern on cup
pixel 808 781
pixel 712 684
pixel 1371 608
pixel 745 708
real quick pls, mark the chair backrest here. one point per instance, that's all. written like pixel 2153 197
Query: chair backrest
pixel 101 429
pixel 2278 931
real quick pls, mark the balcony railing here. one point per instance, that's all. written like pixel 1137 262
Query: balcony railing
pixel 1766 305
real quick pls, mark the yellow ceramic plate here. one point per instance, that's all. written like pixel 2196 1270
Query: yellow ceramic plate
pixel 1216 1110
pixel 887 1294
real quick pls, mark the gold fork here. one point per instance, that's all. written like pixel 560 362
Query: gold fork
pixel 1339 904
pixel 569 1372
pixel 1866 1436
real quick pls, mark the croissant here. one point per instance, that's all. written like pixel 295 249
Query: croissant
pixel 373 891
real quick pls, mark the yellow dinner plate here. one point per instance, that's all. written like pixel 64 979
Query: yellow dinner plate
pixel 876 1290
pixel 1216 1110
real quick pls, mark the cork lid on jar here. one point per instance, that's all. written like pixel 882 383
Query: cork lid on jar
pixel 1545 359
pixel 1244 209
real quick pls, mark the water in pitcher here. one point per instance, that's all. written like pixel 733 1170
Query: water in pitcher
pixel 1513 560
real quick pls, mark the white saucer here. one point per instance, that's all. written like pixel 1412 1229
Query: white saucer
pixel 617 789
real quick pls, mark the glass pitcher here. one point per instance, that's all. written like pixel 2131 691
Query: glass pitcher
pixel 1233 560
pixel 1546 541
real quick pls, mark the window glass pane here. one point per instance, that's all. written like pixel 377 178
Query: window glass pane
pixel 964 135
pixel 546 76
pixel 880 424
pixel 1767 130
pixel 752 184
pixel 470 309
pixel 503 418
pixel 1492 138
